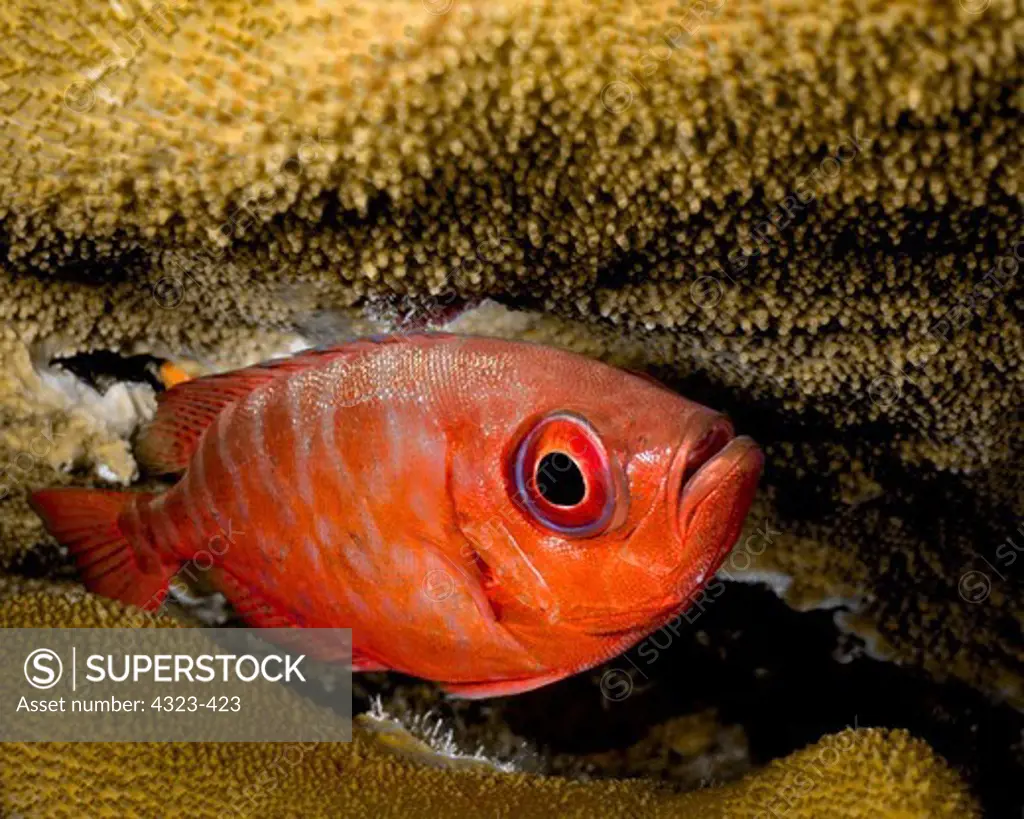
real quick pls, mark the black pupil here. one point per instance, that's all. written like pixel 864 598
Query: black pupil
pixel 559 480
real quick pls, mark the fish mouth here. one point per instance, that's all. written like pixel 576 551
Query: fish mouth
pixel 718 483
pixel 712 435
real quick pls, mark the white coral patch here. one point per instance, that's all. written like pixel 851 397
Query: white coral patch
pixel 778 582
pixel 431 730
pixel 120 410
pixel 100 423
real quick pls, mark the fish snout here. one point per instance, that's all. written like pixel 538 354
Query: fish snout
pixel 717 478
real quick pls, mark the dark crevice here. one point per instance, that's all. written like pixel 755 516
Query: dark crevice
pixel 103 368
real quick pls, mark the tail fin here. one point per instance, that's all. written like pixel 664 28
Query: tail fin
pixel 85 520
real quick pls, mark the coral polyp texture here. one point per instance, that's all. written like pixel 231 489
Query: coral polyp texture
pixel 854 773
pixel 806 214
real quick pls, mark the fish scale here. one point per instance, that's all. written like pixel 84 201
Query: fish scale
pixel 387 486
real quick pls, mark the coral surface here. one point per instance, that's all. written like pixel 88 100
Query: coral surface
pixel 806 214
pixel 865 773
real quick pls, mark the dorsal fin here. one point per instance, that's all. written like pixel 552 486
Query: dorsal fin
pixel 183 413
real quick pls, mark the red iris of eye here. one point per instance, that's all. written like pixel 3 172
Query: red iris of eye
pixel 563 477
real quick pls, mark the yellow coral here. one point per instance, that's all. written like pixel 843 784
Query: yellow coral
pixel 807 214
pixel 866 773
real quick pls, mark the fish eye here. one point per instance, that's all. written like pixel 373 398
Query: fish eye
pixel 562 476
pixel 560 480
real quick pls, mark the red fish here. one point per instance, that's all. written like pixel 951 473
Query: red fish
pixel 492 515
